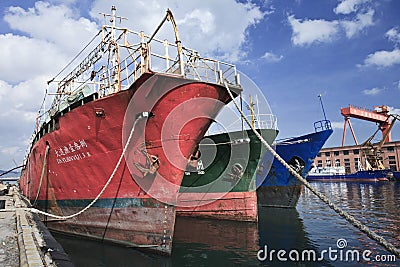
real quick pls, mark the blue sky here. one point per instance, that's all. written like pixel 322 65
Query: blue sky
pixel 346 50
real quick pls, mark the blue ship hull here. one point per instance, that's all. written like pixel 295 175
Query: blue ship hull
pixel 365 176
pixel 280 188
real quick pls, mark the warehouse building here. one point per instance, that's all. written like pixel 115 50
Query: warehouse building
pixel 350 157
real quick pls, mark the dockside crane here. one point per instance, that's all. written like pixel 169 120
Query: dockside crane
pixel 372 153
pixel 380 115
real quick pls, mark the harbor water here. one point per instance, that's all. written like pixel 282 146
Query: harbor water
pixel 311 235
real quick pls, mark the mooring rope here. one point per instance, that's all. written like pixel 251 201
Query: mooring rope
pixel 4 173
pixel 42 174
pixel 141 116
pixel 388 246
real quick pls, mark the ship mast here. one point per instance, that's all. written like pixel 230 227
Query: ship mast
pixel 178 42
pixel 115 56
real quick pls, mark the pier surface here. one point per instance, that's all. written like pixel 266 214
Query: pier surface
pixel 24 239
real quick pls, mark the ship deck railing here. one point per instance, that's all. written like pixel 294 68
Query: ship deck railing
pixel 261 121
pixel 135 59
pixel 322 125
pixel 115 63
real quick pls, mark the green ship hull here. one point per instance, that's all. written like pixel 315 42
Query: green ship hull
pixel 220 180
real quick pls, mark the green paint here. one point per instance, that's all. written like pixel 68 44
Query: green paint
pixel 219 175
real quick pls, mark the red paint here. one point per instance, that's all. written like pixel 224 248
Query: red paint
pixel 236 206
pixel 92 143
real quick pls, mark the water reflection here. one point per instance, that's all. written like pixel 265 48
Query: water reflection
pixel 374 204
pixel 88 253
pixel 313 226
pixel 283 229
pixel 199 242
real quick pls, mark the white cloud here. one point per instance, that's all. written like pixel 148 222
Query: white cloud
pixel 271 57
pixel 393 110
pixel 18 108
pixel 393 35
pixel 306 32
pixel 24 58
pixel 348 6
pixel 48 35
pixel 373 91
pixel 53 24
pixel 383 58
pixel 362 20
pixel 9 151
pixel 337 125
pixel 204 20
pixel 22 97
pixel 211 27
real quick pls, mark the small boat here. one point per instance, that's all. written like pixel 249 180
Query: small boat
pixel 277 187
pixel 107 158
pixel 370 168
pixel 329 175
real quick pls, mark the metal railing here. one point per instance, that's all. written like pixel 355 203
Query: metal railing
pixel 120 56
pixel 261 121
pixel 116 58
pixel 322 125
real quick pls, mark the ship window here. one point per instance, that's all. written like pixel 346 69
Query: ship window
pixel 390 148
pixel 356 151
pixel 345 152
pixel 393 168
pixel 336 153
pixel 327 154
pixel 319 155
pixel 328 163
pixel 319 164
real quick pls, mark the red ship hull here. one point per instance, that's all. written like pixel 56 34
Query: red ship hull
pixel 237 206
pixel 85 144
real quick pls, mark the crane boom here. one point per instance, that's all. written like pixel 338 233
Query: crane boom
pixel 380 115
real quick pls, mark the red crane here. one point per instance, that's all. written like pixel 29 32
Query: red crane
pixel 380 115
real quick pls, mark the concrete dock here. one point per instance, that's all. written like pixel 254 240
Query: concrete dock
pixel 24 239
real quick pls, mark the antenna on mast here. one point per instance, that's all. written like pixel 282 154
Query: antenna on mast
pixel 322 105
pixel 112 16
